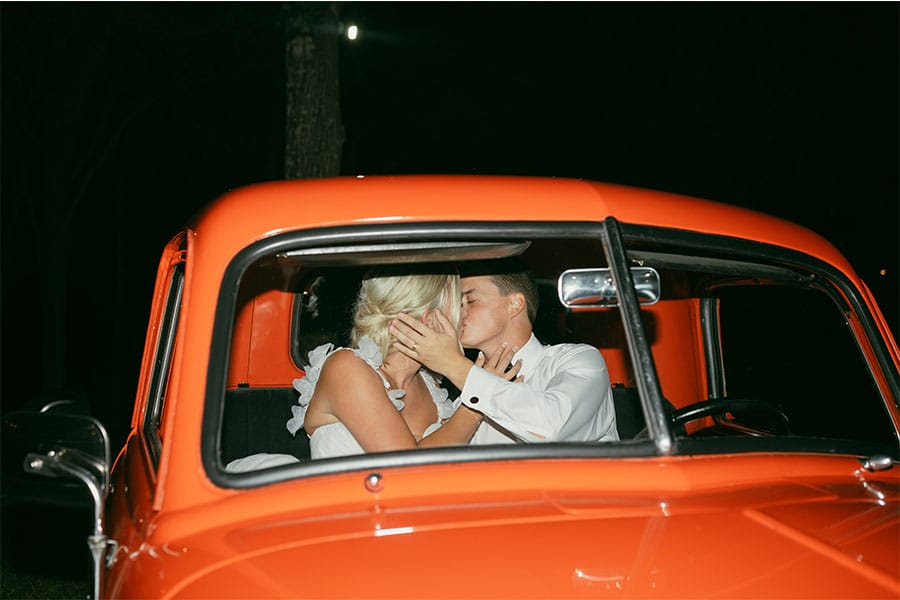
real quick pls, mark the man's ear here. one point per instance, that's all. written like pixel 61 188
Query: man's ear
pixel 516 304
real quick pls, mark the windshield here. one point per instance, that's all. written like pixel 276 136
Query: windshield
pixel 741 351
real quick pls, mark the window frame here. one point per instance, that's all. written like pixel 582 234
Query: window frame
pixel 162 361
pixel 618 241
pixel 817 272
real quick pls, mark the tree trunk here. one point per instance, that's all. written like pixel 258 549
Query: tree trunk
pixel 314 133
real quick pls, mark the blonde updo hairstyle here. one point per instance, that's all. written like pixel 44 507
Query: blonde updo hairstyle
pixel 384 294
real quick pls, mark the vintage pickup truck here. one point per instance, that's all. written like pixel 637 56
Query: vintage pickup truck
pixel 755 384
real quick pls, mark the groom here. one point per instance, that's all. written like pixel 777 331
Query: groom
pixel 550 393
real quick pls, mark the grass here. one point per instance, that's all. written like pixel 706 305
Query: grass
pixel 18 584
pixel 44 553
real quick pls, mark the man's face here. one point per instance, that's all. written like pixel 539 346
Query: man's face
pixel 485 314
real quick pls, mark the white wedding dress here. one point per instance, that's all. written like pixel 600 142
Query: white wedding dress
pixel 334 439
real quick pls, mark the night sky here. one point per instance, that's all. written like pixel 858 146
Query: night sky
pixel 146 112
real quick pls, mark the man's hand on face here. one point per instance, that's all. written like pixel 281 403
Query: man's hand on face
pixel 499 363
pixel 436 347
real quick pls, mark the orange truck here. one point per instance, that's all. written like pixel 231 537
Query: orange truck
pixel 754 380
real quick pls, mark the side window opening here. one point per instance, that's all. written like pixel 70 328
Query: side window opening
pixel 792 347
pixel 760 350
pixel 323 311
pixel 165 346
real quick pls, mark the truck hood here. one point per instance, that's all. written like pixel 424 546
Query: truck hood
pixel 790 540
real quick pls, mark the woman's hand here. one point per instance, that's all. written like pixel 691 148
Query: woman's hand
pixel 429 345
pixel 436 347
pixel 499 363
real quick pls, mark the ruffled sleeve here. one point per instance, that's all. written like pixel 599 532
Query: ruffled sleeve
pixel 368 351
pixel 441 397
pixel 371 353
pixel 306 385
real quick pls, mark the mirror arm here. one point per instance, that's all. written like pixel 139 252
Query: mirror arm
pixel 66 462
pixel 56 462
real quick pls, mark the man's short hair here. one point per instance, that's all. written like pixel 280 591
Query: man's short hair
pixel 510 275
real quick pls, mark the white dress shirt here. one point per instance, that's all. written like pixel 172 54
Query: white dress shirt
pixel 565 395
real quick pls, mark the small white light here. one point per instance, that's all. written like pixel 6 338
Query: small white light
pixel 352 32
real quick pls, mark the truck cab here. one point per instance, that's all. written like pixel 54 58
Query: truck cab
pixel 755 386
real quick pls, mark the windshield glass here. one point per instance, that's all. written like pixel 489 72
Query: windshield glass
pixel 742 349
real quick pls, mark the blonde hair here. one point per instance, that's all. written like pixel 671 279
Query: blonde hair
pixel 383 295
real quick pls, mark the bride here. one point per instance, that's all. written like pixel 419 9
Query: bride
pixel 371 398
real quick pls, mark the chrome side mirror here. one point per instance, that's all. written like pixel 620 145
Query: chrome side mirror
pixel 62 447
pixel 581 288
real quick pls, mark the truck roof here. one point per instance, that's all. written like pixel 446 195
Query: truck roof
pixel 261 210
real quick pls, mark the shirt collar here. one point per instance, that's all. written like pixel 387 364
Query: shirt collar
pixel 529 353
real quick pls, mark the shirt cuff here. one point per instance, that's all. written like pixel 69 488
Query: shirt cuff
pixel 478 390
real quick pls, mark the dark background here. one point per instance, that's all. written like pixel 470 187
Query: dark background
pixel 119 121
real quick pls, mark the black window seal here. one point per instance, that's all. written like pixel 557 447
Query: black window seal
pixel 162 365
pixel 646 377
